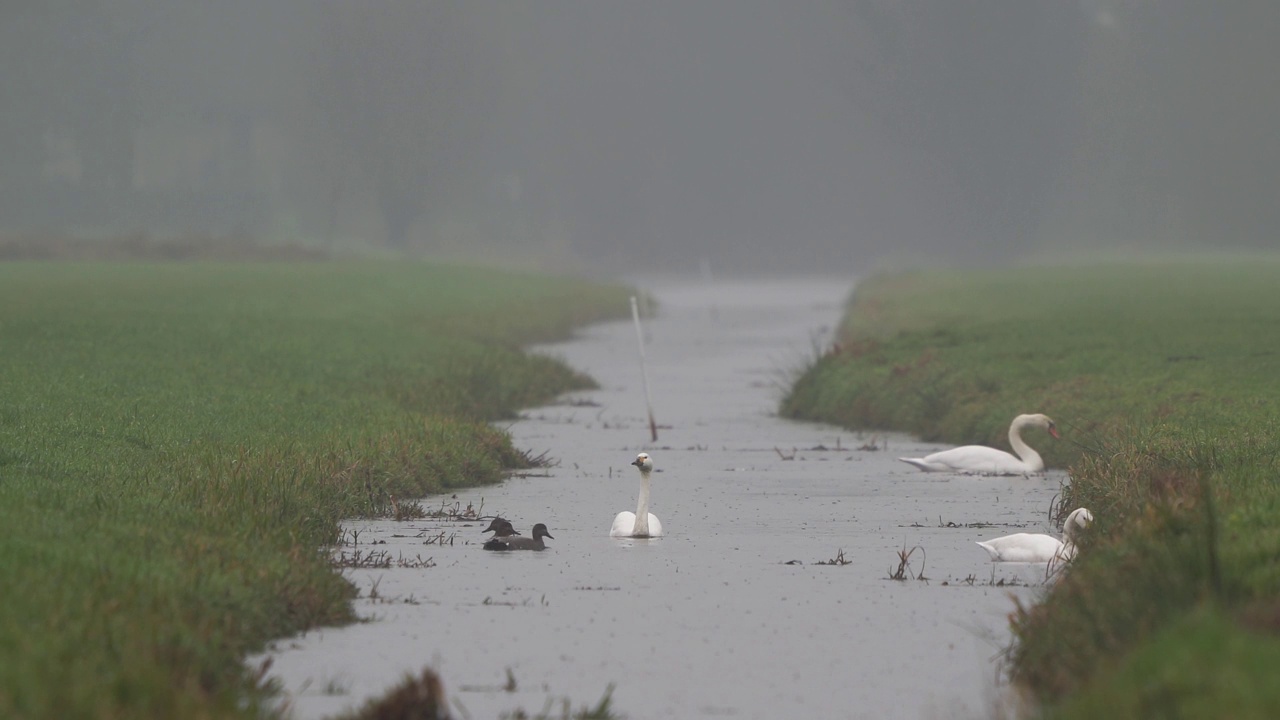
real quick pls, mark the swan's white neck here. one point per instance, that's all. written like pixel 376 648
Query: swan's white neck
pixel 642 507
pixel 1034 462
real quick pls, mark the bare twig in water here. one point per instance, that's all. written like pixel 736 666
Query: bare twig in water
pixel 379 560
pixel 439 538
pixel 904 571
pixel 783 455
pixel 979 524
pixel 488 600
pixel 1011 582
pixel 455 511
pixel 581 402
pixel 837 560
pixel 542 460
pixel 362 559
pixel 1055 508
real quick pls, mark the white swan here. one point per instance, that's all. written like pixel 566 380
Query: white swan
pixel 988 460
pixel 1038 548
pixel 626 524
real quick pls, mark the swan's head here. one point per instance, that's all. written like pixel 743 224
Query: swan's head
pixel 643 462
pixel 1079 519
pixel 1040 421
pixel 540 531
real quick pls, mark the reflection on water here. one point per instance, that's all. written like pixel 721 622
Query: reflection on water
pixel 732 613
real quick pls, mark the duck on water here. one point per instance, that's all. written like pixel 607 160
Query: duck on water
pixel 516 542
pixel 501 527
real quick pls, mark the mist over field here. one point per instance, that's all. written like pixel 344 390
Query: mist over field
pixel 739 135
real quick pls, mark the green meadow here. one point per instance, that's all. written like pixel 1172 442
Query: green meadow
pixel 1163 377
pixel 179 441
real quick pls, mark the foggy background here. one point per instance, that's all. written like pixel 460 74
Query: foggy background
pixel 750 135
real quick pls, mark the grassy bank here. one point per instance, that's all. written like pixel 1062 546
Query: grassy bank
pixel 177 441
pixel 1163 378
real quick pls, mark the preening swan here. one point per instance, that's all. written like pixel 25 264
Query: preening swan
pixel 515 542
pixel 988 460
pixel 1036 547
pixel 626 524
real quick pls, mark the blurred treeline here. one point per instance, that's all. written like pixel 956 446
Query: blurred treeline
pixel 759 134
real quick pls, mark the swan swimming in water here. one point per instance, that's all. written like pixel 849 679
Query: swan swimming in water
pixel 515 542
pixel 1038 548
pixel 641 523
pixel 988 460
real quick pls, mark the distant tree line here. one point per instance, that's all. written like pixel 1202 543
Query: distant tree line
pixel 758 133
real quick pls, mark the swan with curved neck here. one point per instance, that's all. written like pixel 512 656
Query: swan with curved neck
pixel 641 523
pixel 988 460
pixel 1036 547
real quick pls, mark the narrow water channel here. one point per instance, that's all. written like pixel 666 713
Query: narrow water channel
pixel 730 614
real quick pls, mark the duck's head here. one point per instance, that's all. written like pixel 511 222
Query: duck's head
pixel 501 527
pixel 540 531
pixel 643 462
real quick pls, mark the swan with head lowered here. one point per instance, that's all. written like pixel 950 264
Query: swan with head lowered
pixel 1038 548
pixel 979 459
pixel 641 523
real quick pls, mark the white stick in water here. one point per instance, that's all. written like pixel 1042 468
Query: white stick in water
pixel 644 373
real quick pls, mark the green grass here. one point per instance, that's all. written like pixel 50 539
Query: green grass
pixel 1203 665
pixel 178 442
pixel 1162 377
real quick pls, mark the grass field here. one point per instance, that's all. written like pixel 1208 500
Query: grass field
pixel 178 442
pixel 1163 378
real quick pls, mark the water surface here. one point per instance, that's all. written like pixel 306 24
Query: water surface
pixel 730 614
